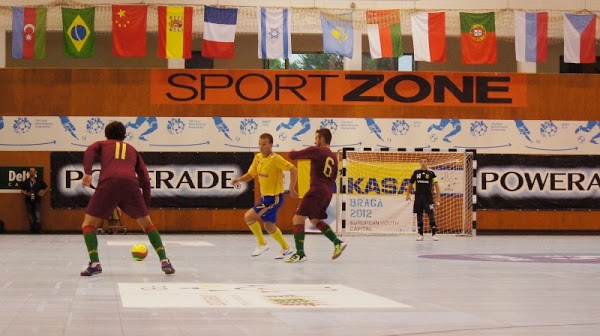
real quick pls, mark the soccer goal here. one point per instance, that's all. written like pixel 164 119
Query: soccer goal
pixel 372 193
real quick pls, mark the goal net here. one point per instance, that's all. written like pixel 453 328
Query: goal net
pixel 372 193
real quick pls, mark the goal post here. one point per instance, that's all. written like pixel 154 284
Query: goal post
pixel 372 191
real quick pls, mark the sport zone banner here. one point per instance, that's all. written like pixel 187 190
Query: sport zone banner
pixel 178 180
pixel 538 182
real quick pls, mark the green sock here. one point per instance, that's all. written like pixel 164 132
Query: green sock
pixel 299 239
pixel 328 232
pixel 156 242
pixel 91 242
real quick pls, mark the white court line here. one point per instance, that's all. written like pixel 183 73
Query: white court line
pixel 165 242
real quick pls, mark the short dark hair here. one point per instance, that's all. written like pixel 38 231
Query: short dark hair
pixel 267 136
pixel 115 131
pixel 325 133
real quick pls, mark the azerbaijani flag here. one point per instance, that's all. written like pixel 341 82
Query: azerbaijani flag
pixel 429 36
pixel 478 38
pixel 580 38
pixel 383 29
pixel 175 32
pixel 29 33
pixel 531 36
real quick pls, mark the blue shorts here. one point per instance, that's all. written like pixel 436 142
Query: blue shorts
pixel 268 207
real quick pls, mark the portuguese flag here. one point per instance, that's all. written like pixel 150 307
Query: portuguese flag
pixel 478 38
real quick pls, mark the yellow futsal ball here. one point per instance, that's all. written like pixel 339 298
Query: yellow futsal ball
pixel 139 252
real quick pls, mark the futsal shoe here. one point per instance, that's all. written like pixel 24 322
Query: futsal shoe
pixel 296 258
pixel 284 253
pixel 420 238
pixel 259 250
pixel 435 238
pixel 338 249
pixel 91 270
pixel 167 267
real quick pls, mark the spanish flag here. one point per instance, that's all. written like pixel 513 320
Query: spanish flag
pixel 175 32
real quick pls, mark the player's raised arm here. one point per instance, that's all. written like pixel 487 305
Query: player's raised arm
pixel 89 157
pixel 142 173
pixel 293 182
pixel 248 176
pixel 306 153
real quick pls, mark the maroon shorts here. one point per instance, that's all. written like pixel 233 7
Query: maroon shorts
pixel 314 204
pixel 125 194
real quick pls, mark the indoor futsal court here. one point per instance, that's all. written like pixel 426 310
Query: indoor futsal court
pixel 381 285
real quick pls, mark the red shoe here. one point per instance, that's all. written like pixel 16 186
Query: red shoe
pixel 167 267
pixel 91 270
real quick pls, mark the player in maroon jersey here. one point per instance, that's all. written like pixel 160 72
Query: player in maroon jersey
pixel 323 174
pixel 122 173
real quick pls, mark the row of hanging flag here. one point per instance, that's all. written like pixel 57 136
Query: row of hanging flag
pixel 478 34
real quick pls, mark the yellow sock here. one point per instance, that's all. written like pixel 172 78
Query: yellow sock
pixel 278 236
pixel 257 231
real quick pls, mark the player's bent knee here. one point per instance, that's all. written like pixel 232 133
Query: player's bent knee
pixel 144 222
pixel 90 220
pixel 250 216
pixel 271 227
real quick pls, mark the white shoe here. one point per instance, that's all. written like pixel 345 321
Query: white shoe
pixel 284 253
pixel 420 238
pixel 259 250
pixel 435 238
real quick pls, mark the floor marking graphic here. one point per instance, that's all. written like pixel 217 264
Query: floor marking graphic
pixel 227 295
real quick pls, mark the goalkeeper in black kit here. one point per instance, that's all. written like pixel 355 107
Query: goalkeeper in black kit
pixel 426 181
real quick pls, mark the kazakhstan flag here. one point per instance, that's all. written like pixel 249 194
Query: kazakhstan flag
pixel 78 31
pixel 338 34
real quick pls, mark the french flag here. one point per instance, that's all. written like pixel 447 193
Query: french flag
pixel 531 36
pixel 219 32
pixel 580 38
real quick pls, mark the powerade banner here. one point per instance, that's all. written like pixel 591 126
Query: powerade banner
pixel 11 178
pixel 540 182
pixel 178 180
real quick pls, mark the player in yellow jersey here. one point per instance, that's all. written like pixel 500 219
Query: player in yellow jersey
pixel 269 168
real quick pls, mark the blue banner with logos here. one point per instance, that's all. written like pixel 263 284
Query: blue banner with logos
pixel 538 182
pixel 179 180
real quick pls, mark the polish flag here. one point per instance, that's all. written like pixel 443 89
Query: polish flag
pixel 429 36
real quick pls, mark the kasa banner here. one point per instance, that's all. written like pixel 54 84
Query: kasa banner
pixel 538 182
pixel 178 180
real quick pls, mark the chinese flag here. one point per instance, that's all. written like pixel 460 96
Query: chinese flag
pixel 129 30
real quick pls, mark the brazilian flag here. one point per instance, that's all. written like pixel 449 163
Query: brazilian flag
pixel 78 31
